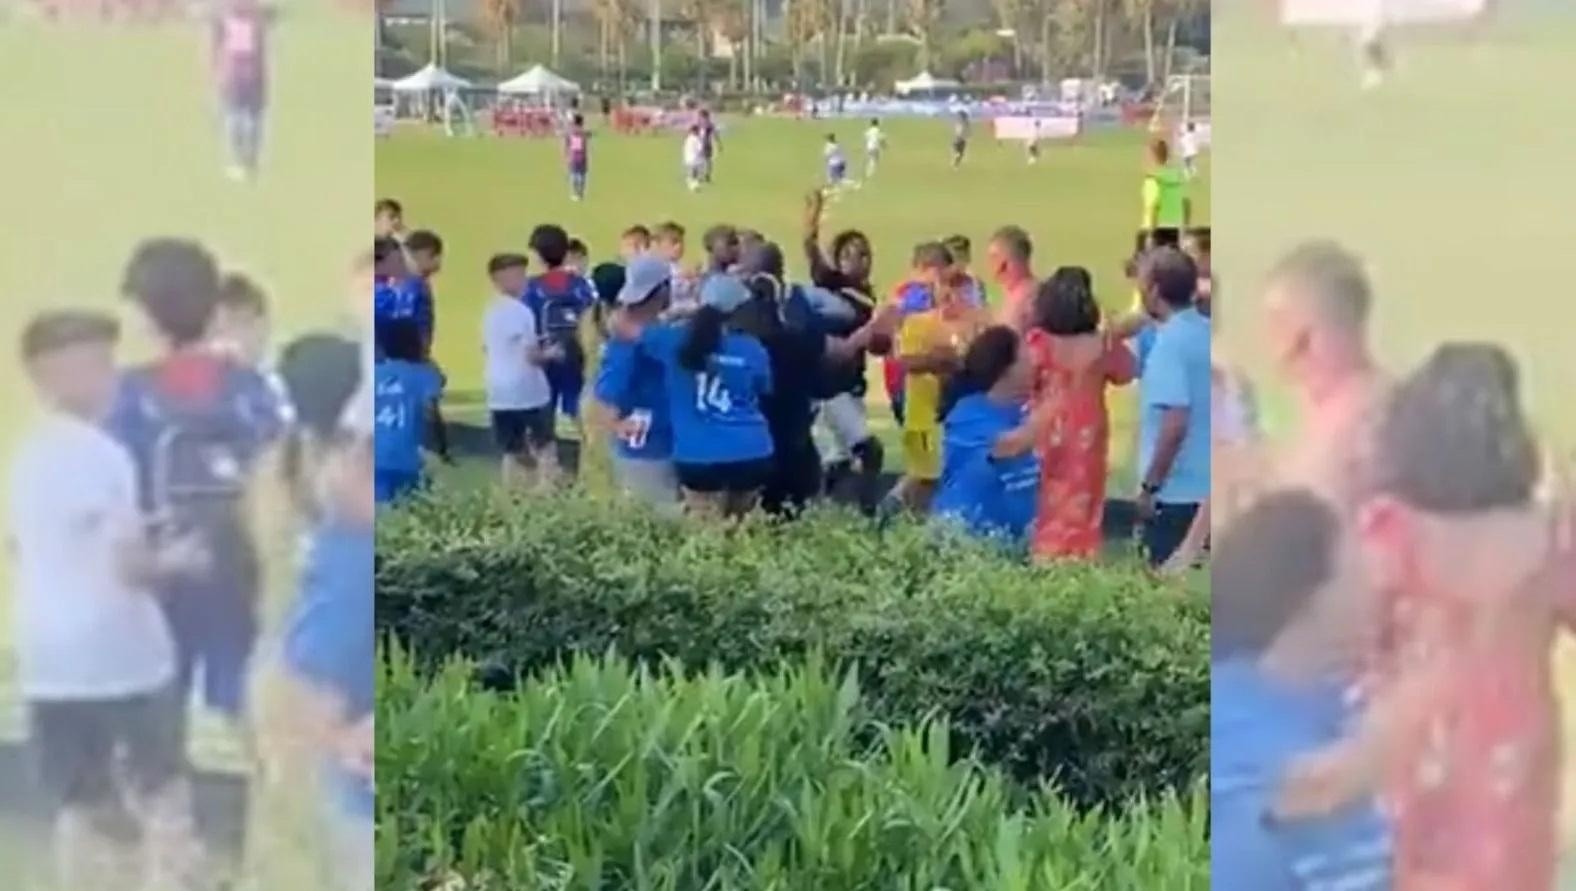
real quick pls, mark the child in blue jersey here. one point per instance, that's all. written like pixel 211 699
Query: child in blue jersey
pixel 390 301
pixel 424 251
pixel 405 406
pixel 631 383
pixel 715 377
pixel 1279 610
pixel 836 163
pixel 990 474
pixel 560 297
pixel 329 646
pixel 195 423
pixel 577 154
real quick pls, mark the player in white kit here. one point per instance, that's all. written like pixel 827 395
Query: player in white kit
pixel 875 141
pixel 694 159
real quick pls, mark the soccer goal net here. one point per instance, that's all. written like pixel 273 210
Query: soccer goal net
pixel 1185 100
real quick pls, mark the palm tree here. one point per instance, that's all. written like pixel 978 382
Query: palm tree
pixel 924 20
pixel 499 17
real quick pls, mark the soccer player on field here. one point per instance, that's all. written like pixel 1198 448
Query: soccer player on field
pixel 960 139
pixel 836 163
pixel 694 160
pixel 577 154
pixel 239 57
pixel 875 142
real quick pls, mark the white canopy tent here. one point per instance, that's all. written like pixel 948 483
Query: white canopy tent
pixel 925 83
pixel 430 78
pixel 539 82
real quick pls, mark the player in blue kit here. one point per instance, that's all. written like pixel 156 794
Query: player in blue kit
pixel 405 408
pixel 836 163
pixel 560 297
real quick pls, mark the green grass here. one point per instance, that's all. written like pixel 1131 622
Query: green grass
pixel 1453 180
pixel 120 141
pixel 483 195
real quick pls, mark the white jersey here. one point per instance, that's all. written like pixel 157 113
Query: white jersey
pixel 834 155
pixel 694 150
pixel 1189 144
pixel 874 141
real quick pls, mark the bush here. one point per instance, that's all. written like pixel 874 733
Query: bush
pixel 1096 675
pixel 598 777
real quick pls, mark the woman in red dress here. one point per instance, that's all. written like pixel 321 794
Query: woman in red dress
pixel 1460 737
pixel 1075 363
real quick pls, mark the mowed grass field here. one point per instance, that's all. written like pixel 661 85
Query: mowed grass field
pixel 483 195
pixel 1453 180
pixel 111 135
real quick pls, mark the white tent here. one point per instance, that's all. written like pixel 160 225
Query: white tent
pixel 430 78
pixel 925 83
pixel 539 82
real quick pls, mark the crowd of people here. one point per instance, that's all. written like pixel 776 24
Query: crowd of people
pixel 731 386
pixel 1387 593
pixel 141 577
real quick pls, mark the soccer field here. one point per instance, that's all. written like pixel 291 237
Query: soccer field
pixel 1452 179
pixel 483 195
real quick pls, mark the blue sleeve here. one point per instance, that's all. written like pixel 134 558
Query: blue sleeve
pixel 586 292
pixel 329 644
pixel 431 383
pixel 125 416
pixel 1165 375
pixel 260 405
pixel 615 375
pixel 426 321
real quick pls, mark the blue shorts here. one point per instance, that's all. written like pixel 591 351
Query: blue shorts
pixel 566 383
pixel 215 633
pixel 390 486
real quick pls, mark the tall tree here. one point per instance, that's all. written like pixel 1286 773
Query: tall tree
pixel 499 17
pixel 924 21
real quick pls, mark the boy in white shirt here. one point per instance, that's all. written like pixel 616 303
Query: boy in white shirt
pixel 875 141
pixel 518 396
pixel 96 658
pixel 1189 141
pixel 694 159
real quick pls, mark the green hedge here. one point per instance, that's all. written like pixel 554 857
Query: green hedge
pixel 596 777
pixel 1096 676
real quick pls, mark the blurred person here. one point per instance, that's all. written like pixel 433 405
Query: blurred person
pixel 914 294
pixel 519 399
pixel 328 647
pixel 424 250
pixel 240 65
pixel 723 244
pixel 635 241
pixel 990 477
pixel 96 659
pixel 962 251
pixel 406 392
pixel 875 144
pixel 1174 397
pixel 1009 256
pixel 1196 244
pixel 931 345
pixel 577 156
pixel 631 385
pixel 1317 303
pixel 711 144
pixel 1460 726
pixel 578 258
pixel 1278 599
pixel 196 423
pixel 844 412
pixel 241 331
pixel 694 155
pixel 1165 201
pixel 1033 146
pixel 960 138
pixel 1075 364
pixel 1188 142
pixel 595 471
pixel 560 298
pixel 668 242
pixel 715 377
pixel 388 219
pixel 836 163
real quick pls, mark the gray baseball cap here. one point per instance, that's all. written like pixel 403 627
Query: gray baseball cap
pixel 724 293
pixel 644 275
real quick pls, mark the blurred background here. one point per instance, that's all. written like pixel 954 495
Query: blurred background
pixel 1451 179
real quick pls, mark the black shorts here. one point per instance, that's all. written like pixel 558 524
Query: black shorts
pixel 735 476
pixel 83 747
pixel 516 428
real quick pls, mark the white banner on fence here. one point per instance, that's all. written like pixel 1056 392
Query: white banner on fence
pixel 1021 127
pixel 1371 12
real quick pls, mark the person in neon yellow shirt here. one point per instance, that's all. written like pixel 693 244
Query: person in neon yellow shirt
pixel 1166 205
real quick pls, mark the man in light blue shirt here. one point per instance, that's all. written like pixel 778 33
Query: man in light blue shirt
pixel 1174 396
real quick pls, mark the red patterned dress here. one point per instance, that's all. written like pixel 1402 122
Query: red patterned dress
pixel 1073 373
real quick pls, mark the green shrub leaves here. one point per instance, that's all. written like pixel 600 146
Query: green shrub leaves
pixel 1094 676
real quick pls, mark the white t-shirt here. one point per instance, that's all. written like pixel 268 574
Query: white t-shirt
pixel 82 630
pixel 873 140
pixel 694 150
pixel 1189 142
pixel 514 382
